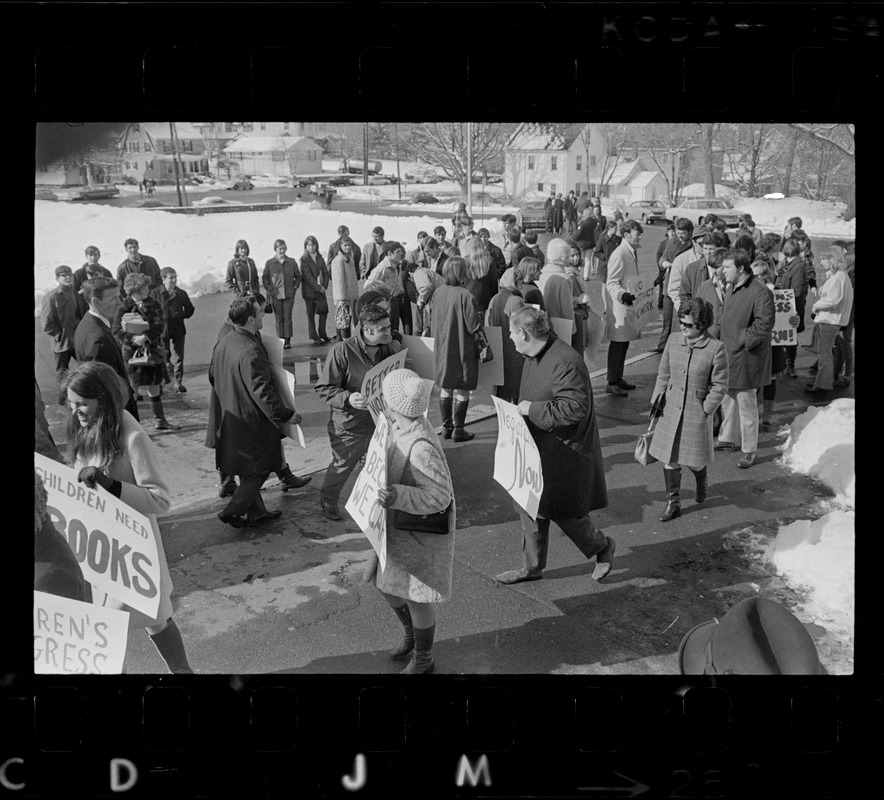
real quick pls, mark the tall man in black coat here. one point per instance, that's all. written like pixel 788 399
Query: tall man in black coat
pixel 556 399
pixel 93 340
pixel 253 417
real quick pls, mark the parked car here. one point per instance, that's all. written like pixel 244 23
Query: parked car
pixel 696 209
pixel 340 180
pixel 95 192
pixel 42 193
pixel 532 214
pixel 647 211
pixel 214 200
pixel 380 180
pixel 321 187
pixel 495 178
pixel 153 204
pixel 242 183
pixel 424 197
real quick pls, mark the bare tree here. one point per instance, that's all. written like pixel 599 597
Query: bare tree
pixel 667 145
pixel 615 135
pixel 750 153
pixel 445 144
pixel 790 160
pixel 707 131
pixel 842 137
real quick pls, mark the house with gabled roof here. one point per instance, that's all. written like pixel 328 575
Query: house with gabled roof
pixel 274 155
pixel 147 150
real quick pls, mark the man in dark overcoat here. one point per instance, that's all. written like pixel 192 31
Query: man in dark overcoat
pixel 555 398
pixel 253 416
pixel 747 319
pixel 93 340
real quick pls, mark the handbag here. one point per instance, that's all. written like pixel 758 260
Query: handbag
pixel 436 522
pixel 268 307
pixel 145 357
pixel 321 304
pixel 483 349
pixel 342 317
pixel 643 445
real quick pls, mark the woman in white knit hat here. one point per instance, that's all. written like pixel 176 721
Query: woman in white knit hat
pixel 419 564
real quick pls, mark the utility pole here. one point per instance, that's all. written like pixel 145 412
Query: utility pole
pixel 175 164
pixel 470 168
pixel 398 178
pixel 365 154
pixel 180 162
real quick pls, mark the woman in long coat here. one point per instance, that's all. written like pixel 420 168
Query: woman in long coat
pixel 504 304
pixel 419 565
pixel 455 321
pixel 242 274
pixel 344 286
pixel 281 279
pixel 316 278
pixel 693 376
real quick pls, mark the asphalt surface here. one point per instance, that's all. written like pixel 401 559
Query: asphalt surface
pixel 288 596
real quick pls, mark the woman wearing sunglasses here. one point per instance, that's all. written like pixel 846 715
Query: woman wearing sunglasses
pixel 693 376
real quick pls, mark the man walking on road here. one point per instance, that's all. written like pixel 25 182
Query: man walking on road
pixel 555 398
pixel 350 425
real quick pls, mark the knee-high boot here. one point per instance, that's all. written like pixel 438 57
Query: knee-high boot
pixel 422 659
pixel 701 476
pixel 460 416
pixel 673 485
pixel 170 646
pixel 407 645
pixel 445 405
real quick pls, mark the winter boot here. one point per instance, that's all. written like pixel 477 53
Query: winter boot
pixel 407 645
pixel 460 416
pixel 673 485
pixel 445 405
pixel 422 658
pixel 702 479
pixel 767 414
pixel 162 424
pixel 170 646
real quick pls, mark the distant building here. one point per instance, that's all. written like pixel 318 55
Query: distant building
pixel 146 150
pixel 273 155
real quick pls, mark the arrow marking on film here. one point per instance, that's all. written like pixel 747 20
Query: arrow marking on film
pixel 637 788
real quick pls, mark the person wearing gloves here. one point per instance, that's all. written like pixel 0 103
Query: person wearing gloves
pixel 108 448
pixel 832 312
pixel 622 265
pixel 419 566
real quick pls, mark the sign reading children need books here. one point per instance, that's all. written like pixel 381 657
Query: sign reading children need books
pixel 362 505
pixel 516 458
pixel 115 544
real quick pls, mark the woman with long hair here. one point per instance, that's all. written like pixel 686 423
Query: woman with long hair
pixel 345 289
pixel 316 279
pixel 108 448
pixel 242 274
pixel 528 271
pixel 481 279
pixel 455 321
pixel 281 279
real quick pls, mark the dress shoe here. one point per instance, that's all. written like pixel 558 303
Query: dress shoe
pixel 162 424
pixel 317 341
pixel 747 460
pixel 180 388
pixel 615 389
pixel 624 385
pixel 227 490
pixel 842 383
pixel 287 344
pixel 266 516
pixel 658 350
pixel 604 561
pixel 331 511
pixel 325 340
pixel 232 519
pixel 725 446
pixel 811 389
pixel 517 576
pixel 294 482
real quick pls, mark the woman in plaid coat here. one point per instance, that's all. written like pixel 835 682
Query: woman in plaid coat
pixel 693 374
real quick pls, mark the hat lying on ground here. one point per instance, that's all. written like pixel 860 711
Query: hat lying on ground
pixel 756 637
pixel 405 392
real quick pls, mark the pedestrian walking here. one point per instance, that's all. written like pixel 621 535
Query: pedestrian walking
pixel 177 307
pixel 108 448
pixel 681 242
pixel 316 277
pixel 692 377
pixel 620 326
pixel 281 280
pixel 555 397
pixel 242 274
pixel 61 311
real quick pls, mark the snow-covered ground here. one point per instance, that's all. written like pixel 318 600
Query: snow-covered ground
pixel 819 555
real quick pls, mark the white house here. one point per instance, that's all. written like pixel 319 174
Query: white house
pixel 646 185
pixel 146 149
pixel 274 155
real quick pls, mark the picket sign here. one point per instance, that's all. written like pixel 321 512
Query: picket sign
pixel 517 464
pixel 75 638
pixel 784 307
pixel 115 545
pixel 643 308
pixel 362 504
pixel 564 328
pixel 273 345
pixel 373 382
pixel 285 385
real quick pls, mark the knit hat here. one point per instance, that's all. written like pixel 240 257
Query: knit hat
pixel 756 637
pixel 405 392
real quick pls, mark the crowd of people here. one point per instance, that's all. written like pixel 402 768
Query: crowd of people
pixel 127 333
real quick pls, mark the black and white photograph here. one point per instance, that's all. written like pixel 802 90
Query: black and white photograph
pixel 463 398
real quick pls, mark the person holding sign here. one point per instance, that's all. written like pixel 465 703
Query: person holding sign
pixel 111 450
pixel 622 265
pixel 350 424
pixel 556 399
pixel 419 564
pixel 693 376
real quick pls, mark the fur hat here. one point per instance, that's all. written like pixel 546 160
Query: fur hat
pixel 405 392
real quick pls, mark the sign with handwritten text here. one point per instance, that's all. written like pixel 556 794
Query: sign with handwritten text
pixel 115 544
pixel 362 505
pixel 644 307
pixel 784 307
pixel 516 458
pixel 374 379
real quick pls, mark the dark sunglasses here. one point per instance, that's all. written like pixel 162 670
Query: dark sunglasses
pixel 686 324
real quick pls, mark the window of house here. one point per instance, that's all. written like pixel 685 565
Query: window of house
pixel 552 187
pixel 169 169
pixel 248 126
pixel 263 126
pixel 187 145
pixel 579 163
pixel 278 155
pixel 285 126
pixel 592 161
pixel 136 147
pixel 134 165
pixel 147 147
pixel 555 162
pixel 136 127
pixel 539 187
pixel 530 162
pixel 228 127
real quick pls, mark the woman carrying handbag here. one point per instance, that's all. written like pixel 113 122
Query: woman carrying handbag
pixel 693 375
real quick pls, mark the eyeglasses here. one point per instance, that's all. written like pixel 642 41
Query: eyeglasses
pixel 686 324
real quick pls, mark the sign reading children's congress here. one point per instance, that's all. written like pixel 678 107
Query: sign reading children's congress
pixel 74 638
pixel 362 505
pixel 374 378
pixel 115 544
pixel 517 459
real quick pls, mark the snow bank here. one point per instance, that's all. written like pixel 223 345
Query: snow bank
pixel 198 247
pixel 699 190
pixel 821 443
pixel 818 218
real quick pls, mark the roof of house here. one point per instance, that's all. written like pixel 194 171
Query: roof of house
pixel 642 179
pixel 622 172
pixel 160 130
pixel 266 144
pixel 545 135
